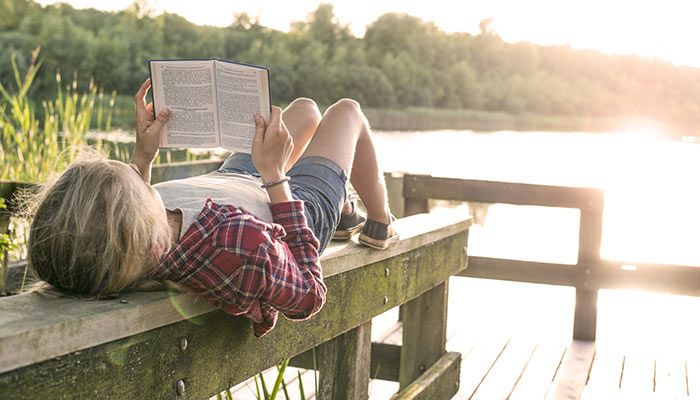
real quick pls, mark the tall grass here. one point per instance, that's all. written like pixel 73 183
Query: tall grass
pixel 35 144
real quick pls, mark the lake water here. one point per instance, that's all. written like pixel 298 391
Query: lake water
pixel 652 214
pixel 652 189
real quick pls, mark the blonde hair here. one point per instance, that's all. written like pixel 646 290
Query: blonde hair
pixel 92 232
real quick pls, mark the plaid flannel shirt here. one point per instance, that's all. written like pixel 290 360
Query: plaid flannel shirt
pixel 245 266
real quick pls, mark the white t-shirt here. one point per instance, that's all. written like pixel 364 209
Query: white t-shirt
pixel 189 195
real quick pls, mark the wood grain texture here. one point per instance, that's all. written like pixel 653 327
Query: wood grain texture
pixel 573 372
pixel 384 361
pixel 506 372
pixel 222 350
pixel 539 373
pixel 439 382
pixel 424 333
pixel 429 187
pixel 344 365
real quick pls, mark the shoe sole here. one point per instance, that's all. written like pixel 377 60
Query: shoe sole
pixel 348 233
pixel 377 243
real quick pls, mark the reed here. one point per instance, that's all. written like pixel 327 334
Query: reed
pixel 36 142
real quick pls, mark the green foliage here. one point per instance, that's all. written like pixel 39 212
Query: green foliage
pixel 401 62
pixel 5 243
pixel 35 145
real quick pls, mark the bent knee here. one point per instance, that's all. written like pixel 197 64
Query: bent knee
pixel 346 106
pixel 347 103
pixel 303 102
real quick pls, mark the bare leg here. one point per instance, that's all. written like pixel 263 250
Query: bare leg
pixel 301 118
pixel 344 137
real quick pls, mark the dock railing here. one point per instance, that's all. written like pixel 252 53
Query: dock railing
pixel 588 275
pixel 165 345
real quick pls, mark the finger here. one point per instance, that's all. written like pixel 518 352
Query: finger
pixel 161 119
pixel 259 128
pixel 149 108
pixel 140 97
pixel 275 118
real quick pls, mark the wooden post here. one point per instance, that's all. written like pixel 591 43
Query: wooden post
pixel 424 333
pixel 394 191
pixel 411 206
pixel 344 365
pixel 590 233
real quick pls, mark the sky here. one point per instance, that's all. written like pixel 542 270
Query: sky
pixel 667 29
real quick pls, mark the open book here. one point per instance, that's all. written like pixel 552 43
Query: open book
pixel 212 102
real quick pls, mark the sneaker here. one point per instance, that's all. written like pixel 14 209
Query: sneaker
pixel 378 235
pixel 349 224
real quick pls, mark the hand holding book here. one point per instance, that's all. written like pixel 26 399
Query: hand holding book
pixel 149 130
pixel 272 146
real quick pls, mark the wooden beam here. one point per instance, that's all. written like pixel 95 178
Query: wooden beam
pixel 384 361
pixel 441 381
pixel 180 170
pixel 394 191
pixel 429 187
pixel 424 333
pixel 221 350
pixel 521 271
pixel 675 279
pixel 344 365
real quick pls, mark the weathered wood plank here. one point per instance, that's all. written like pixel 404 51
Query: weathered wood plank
pixel 478 363
pixel 504 375
pixel 429 187
pixel 52 329
pixel 521 271
pixel 606 372
pixel 670 377
pixel 424 333
pixel 439 382
pixel 344 365
pixel 677 279
pixel 638 374
pixel 693 374
pixel 384 361
pixel 573 371
pixel 222 350
pixel 539 373
pixel 180 170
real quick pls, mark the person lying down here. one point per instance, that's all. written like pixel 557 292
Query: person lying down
pixel 246 237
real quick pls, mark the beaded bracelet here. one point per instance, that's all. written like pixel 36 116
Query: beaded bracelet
pixel 274 183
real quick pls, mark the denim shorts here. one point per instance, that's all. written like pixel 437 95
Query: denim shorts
pixel 317 181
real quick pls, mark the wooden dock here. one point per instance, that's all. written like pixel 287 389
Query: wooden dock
pixel 525 351
pixel 489 339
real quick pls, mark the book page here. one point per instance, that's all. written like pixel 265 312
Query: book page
pixel 242 92
pixel 188 89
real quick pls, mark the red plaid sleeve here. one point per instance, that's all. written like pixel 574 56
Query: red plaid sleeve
pixel 248 267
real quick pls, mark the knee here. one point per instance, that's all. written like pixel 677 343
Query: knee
pixel 349 104
pixel 305 104
pixel 347 107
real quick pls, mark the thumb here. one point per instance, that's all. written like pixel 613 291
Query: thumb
pixel 161 119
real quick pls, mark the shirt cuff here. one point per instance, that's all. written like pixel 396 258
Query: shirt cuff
pixel 289 214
